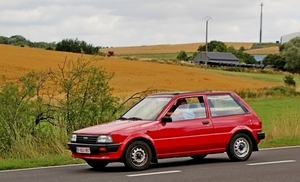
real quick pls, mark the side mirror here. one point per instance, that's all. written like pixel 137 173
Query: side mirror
pixel 166 119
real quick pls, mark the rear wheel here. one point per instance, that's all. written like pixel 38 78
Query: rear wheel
pixel 97 164
pixel 240 147
pixel 138 156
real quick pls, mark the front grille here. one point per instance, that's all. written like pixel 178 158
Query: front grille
pixel 88 139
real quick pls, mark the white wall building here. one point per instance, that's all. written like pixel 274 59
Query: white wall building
pixel 288 37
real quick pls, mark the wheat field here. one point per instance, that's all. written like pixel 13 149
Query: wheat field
pixel 131 76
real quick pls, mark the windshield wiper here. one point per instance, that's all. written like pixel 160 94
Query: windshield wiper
pixel 131 118
pixel 135 118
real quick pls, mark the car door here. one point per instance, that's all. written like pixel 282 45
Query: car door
pixel 226 115
pixel 186 136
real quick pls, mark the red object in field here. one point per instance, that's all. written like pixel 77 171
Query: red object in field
pixel 110 53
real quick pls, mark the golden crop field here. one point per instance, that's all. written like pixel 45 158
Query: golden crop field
pixel 130 76
pixel 265 50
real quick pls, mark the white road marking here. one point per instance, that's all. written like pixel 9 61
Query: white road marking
pixel 273 162
pixel 156 173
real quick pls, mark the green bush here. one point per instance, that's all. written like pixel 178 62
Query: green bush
pixel 76 46
pixel 43 123
pixel 289 81
pixel 182 56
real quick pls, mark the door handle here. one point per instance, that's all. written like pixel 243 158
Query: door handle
pixel 205 122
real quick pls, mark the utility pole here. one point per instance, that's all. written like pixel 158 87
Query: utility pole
pixel 261 14
pixel 207 18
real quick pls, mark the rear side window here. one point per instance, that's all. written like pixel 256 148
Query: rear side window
pixel 223 105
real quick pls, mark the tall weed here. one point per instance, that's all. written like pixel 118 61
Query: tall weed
pixel 285 124
pixel 277 91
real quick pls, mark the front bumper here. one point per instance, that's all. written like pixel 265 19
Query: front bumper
pixel 95 148
pixel 260 135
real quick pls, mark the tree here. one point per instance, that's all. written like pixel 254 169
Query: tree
pixel 214 46
pixel 245 57
pixel 276 60
pixel 74 45
pixel 3 40
pixel 291 53
pixel 182 56
pixel 232 50
pixel 88 99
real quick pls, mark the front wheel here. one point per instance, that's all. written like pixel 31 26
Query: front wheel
pixel 97 164
pixel 138 156
pixel 240 147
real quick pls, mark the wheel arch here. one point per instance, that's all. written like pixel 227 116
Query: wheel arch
pixel 249 134
pixel 147 141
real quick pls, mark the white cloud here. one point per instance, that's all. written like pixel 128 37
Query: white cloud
pixel 144 22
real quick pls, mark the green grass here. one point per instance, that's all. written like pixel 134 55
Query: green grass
pixel 9 164
pixel 262 45
pixel 280 118
pixel 276 78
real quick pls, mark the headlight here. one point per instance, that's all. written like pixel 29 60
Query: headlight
pixel 104 139
pixel 73 138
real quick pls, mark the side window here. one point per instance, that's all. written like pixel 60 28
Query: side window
pixel 223 105
pixel 188 108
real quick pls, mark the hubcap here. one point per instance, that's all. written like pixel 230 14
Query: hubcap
pixel 138 156
pixel 241 147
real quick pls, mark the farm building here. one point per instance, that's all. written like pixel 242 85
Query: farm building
pixel 288 37
pixel 216 58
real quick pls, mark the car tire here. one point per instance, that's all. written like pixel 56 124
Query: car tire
pixel 138 156
pixel 199 157
pixel 240 147
pixel 97 164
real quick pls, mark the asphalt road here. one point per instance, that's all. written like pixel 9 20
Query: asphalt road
pixel 279 164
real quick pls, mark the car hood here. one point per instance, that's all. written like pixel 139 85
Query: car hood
pixel 113 126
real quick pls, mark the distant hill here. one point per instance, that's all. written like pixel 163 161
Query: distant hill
pixel 189 48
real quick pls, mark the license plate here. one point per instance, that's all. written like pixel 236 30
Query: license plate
pixel 83 150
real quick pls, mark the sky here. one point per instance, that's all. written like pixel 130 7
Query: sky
pixel 119 23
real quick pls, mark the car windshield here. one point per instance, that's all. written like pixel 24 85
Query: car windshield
pixel 147 109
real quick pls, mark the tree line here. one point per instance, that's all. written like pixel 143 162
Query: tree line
pixel 288 59
pixel 67 45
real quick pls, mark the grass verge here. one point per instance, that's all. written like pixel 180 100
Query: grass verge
pixel 9 164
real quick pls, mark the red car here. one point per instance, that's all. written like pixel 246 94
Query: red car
pixel 176 124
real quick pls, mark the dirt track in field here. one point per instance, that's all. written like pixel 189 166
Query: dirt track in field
pixel 130 76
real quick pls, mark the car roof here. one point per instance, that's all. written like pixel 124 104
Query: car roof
pixel 186 93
